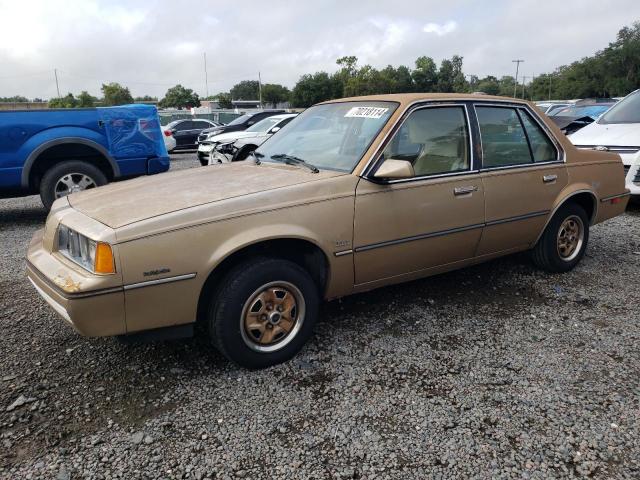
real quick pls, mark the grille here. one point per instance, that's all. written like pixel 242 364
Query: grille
pixel 636 179
pixel 626 170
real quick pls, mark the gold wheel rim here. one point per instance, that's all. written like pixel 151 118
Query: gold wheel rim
pixel 272 316
pixel 570 238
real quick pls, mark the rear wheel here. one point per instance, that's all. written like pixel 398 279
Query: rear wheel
pixel 69 177
pixel 264 312
pixel 564 241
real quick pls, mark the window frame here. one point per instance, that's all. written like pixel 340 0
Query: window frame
pixel 560 153
pixel 377 159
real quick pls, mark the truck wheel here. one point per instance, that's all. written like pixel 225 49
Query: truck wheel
pixel 264 312
pixel 69 177
pixel 564 241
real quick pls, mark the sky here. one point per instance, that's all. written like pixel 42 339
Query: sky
pixel 152 45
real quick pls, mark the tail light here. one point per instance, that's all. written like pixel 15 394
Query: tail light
pixel 168 133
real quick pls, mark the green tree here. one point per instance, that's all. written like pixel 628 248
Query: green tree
pixel 116 94
pixel 246 90
pixel 489 85
pixel 459 83
pixel 146 98
pixel 272 94
pixel 223 99
pixel 425 75
pixel 68 101
pixel 14 99
pixel 315 88
pixel 85 100
pixel 180 97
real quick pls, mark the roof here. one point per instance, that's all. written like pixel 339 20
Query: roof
pixel 406 98
pixel 282 116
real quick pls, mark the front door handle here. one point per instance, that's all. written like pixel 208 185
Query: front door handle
pixel 549 178
pixel 465 190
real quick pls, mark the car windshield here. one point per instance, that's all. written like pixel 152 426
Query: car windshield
pixel 332 136
pixel 626 110
pixel 264 125
pixel 593 111
pixel 239 120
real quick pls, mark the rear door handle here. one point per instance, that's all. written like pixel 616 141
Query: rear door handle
pixel 549 178
pixel 465 190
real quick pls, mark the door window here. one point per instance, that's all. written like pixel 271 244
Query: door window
pixel 541 147
pixel 188 125
pixel 504 142
pixel 201 125
pixel 435 140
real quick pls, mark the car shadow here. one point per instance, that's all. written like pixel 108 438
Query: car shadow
pixel 16 213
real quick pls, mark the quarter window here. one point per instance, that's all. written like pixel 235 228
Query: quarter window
pixel 504 142
pixel 541 147
pixel 435 140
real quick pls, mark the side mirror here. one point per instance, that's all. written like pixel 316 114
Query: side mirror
pixel 395 169
pixel 275 129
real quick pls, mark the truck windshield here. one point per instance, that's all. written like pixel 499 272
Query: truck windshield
pixel 332 136
pixel 626 110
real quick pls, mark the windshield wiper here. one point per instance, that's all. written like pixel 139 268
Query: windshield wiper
pixel 293 160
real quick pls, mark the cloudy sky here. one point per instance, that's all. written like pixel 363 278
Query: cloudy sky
pixel 151 45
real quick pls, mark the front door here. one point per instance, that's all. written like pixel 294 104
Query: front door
pixel 522 173
pixel 403 228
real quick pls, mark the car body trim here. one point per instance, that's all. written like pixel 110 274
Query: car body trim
pixel 70 295
pixel 60 310
pixel 421 236
pixel 450 231
pixel 343 253
pixel 159 281
pixel 613 197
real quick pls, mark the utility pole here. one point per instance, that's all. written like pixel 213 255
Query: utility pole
pixel 260 89
pixel 206 79
pixel 524 79
pixel 55 72
pixel 515 86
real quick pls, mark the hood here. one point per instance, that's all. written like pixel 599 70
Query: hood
pixel 614 134
pixel 122 203
pixel 224 128
pixel 233 136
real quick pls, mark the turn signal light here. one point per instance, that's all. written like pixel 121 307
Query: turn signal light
pixel 104 259
pixel 615 200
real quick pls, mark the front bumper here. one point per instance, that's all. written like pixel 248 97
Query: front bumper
pixel 632 172
pixel 75 295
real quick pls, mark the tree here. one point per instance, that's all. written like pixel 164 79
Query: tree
pixel 459 83
pixel 146 98
pixel 116 94
pixel 15 99
pixel 315 88
pixel 489 85
pixel 223 99
pixel 180 97
pixel 246 90
pixel 68 101
pixel 273 94
pixel 425 75
pixel 85 100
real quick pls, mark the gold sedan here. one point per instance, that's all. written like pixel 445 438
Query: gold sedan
pixel 352 195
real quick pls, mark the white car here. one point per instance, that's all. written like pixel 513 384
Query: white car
pixel 618 130
pixel 169 139
pixel 263 128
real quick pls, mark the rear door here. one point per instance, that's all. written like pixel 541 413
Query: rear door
pixel 523 172
pixel 182 133
pixel 403 228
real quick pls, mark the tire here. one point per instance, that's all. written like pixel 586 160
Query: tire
pixel 553 251
pixel 204 160
pixel 77 172
pixel 258 284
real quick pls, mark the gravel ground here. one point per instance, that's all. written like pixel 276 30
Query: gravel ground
pixel 496 371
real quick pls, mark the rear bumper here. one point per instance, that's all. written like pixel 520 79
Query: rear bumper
pixel 94 313
pixel 158 165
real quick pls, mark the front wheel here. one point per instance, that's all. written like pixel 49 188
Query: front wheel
pixel 69 177
pixel 264 312
pixel 564 241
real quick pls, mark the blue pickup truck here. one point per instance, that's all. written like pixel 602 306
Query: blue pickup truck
pixel 58 152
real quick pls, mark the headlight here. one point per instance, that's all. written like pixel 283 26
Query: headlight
pixel 97 257
pixel 214 133
pixel 225 147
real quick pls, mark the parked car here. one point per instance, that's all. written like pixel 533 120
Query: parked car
pixel 573 118
pixel 221 148
pixel 618 131
pixel 185 132
pixel 352 195
pixel 239 124
pixel 549 108
pixel 57 152
pixel 169 139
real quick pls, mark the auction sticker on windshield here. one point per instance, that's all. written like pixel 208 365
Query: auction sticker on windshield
pixel 366 112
